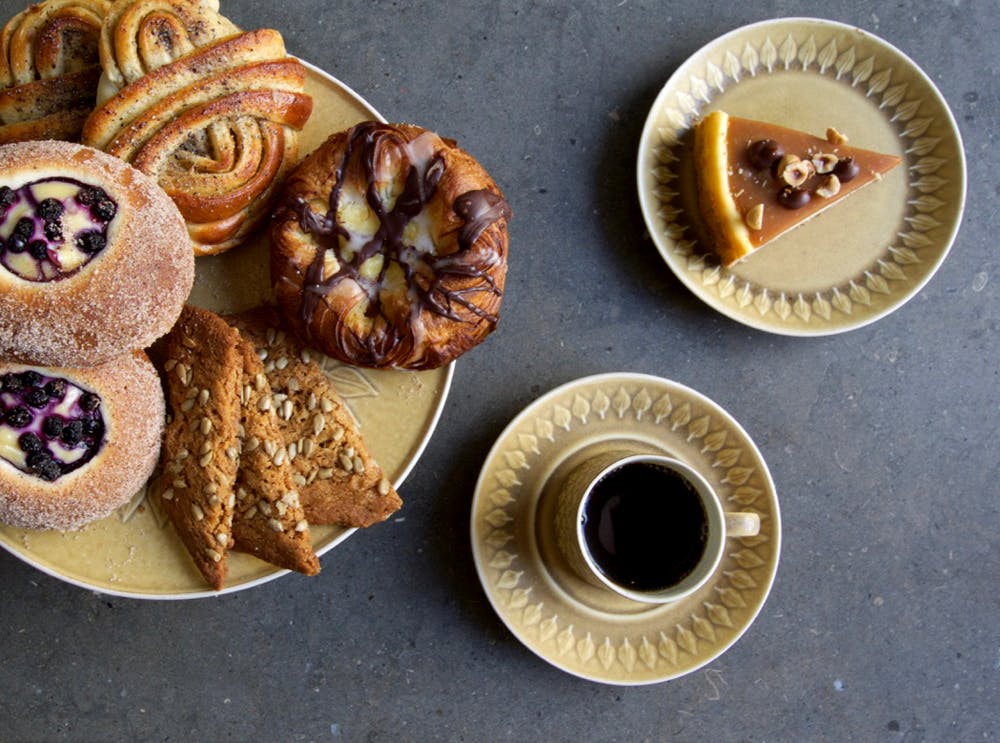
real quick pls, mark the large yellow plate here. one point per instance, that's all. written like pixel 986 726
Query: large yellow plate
pixel 134 552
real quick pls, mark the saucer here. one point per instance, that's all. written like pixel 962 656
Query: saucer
pixel 851 265
pixel 588 631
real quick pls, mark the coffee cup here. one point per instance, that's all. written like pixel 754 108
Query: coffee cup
pixel 648 527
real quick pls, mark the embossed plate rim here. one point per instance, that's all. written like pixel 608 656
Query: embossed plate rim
pixel 406 469
pixel 540 577
pixel 789 321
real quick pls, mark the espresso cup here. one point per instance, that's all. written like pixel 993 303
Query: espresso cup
pixel 648 527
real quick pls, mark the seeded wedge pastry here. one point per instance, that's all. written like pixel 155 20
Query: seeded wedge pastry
pixel 756 180
pixel 338 480
pixel 200 457
pixel 268 522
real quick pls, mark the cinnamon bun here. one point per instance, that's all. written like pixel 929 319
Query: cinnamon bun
pixel 389 248
pixel 212 114
pixel 49 69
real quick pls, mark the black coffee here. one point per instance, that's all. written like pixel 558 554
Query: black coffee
pixel 645 526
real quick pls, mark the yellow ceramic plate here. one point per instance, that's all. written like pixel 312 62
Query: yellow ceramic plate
pixel 854 263
pixel 135 552
pixel 592 632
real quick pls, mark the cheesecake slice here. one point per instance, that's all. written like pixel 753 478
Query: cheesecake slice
pixel 756 180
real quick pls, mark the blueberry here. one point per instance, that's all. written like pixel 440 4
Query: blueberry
pixel 18 417
pixel 88 195
pixel 50 471
pixel 72 433
pixel 56 389
pixel 52 427
pixel 24 228
pixel 53 230
pixel 38 459
pixel 38 249
pixel 7 196
pixel 36 397
pixel 92 427
pixel 11 382
pixel 104 209
pixel 29 442
pixel 91 242
pixel 16 244
pixel 89 402
pixel 50 209
pixel 31 378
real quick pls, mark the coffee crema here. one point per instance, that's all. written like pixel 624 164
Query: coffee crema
pixel 645 526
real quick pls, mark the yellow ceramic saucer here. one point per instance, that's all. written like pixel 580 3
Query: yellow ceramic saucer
pixel 588 631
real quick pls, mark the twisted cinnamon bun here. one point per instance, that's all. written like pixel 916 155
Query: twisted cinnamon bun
pixel 213 120
pixel 389 248
pixel 49 69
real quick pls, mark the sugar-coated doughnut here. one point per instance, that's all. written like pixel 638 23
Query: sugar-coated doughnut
pixel 94 256
pixel 76 443
pixel 389 248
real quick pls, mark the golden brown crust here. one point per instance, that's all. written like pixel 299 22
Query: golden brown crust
pixel 372 283
pixel 133 413
pixel 214 120
pixel 727 234
pixel 49 67
pixel 203 370
pixel 269 522
pixel 338 480
pixel 129 295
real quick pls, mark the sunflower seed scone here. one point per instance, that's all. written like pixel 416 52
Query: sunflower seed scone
pixel 269 522
pixel 338 480
pixel 201 452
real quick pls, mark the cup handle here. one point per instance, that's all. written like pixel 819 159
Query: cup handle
pixel 742 524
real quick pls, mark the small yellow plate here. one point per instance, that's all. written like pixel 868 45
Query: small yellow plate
pixel 854 263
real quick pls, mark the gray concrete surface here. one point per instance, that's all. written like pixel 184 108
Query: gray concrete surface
pixel 883 622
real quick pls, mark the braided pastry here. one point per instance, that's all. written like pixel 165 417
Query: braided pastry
pixel 49 69
pixel 389 248
pixel 214 121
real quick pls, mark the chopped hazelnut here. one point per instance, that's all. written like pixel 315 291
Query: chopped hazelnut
pixel 829 186
pixel 796 173
pixel 755 217
pixel 825 162
pixel 835 137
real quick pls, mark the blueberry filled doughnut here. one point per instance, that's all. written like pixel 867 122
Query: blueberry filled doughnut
pixel 76 443
pixel 94 256
pixel 389 248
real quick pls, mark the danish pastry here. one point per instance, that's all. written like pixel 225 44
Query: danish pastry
pixel 76 443
pixel 389 248
pixel 212 114
pixel 94 258
pixel 49 69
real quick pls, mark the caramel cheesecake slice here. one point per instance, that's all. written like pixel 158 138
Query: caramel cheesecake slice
pixel 756 180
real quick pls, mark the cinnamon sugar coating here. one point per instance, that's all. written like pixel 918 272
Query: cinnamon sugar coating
pixel 126 296
pixel 132 408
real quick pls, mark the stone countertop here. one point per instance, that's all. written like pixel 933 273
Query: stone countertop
pixel 882 623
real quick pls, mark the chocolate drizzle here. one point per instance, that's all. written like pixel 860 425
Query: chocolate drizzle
pixel 428 276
